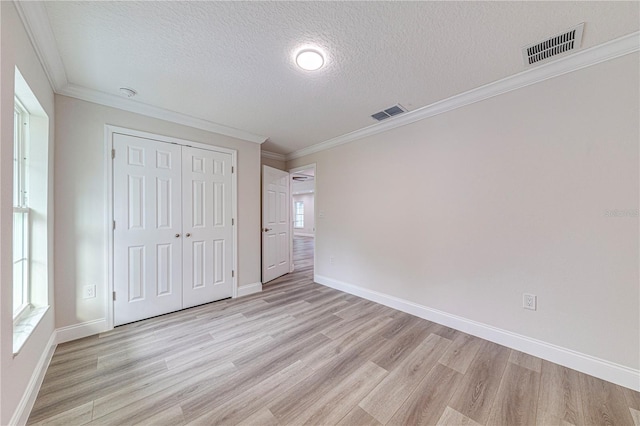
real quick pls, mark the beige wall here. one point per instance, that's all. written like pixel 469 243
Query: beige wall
pixel 276 164
pixel 81 203
pixel 466 211
pixel 15 372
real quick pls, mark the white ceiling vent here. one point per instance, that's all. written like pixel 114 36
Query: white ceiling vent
pixel 389 112
pixel 561 43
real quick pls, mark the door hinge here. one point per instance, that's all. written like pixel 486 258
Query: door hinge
pixel 233 274
pixel 114 224
pixel 233 221
pixel 113 153
pixel 232 169
pixel 114 296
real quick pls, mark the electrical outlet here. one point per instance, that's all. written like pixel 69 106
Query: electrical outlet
pixel 89 292
pixel 529 301
pixel 331 260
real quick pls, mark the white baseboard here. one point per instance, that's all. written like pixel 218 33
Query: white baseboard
pixel 303 234
pixel 83 329
pixel 606 370
pixel 247 289
pixel 21 415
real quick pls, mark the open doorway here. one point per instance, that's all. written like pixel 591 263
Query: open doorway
pixel 303 223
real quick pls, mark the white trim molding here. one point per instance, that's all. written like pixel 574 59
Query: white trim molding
pixel 36 22
pixel 273 155
pixel 606 370
pixel 130 105
pixel 247 289
pixel 81 330
pixel 60 335
pixel 23 410
pixel 581 59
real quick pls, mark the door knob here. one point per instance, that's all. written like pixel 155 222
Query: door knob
pixel 187 235
pixel 177 235
pixel 267 229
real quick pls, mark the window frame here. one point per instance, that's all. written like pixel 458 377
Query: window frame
pixel 298 215
pixel 20 205
pixel 21 200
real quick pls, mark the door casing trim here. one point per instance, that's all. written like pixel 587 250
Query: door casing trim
pixel 315 211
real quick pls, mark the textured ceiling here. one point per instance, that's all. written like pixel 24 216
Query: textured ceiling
pixel 232 62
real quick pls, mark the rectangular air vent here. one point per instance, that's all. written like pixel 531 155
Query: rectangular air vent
pixel 561 43
pixel 389 112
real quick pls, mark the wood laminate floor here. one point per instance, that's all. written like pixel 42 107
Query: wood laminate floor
pixel 300 353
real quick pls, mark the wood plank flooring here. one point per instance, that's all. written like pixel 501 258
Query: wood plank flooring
pixel 300 353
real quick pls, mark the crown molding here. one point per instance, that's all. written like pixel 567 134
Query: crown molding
pixel 130 105
pixel 581 59
pixel 36 23
pixel 273 155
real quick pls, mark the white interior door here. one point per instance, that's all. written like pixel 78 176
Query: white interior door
pixel 276 224
pixel 208 229
pixel 147 258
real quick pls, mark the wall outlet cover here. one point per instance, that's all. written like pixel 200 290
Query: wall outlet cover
pixel 89 292
pixel 529 301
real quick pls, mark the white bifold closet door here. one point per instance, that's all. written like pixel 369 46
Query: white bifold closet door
pixel 173 237
pixel 206 215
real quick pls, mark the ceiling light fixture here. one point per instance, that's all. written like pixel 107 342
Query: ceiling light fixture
pixel 129 93
pixel 310 59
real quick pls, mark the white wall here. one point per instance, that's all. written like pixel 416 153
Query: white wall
pixel 466 211
pixel 81 203
pixel 309 219
pixel 16 372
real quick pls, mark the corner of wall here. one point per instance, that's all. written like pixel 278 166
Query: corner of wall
pixel 23 410
pixel 603 369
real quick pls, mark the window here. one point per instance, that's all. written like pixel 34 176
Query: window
pixel 20 210
pixel 298 221
pixel 31 255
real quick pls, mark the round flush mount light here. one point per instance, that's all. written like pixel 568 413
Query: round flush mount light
pixel 129 93
pixel 310 59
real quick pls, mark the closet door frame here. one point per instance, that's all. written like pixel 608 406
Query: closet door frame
pixel 109 202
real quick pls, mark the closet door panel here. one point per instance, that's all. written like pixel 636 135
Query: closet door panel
pixel 147 258
pixel 208 254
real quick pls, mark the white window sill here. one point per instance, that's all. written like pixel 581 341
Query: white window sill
pixel 25 325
